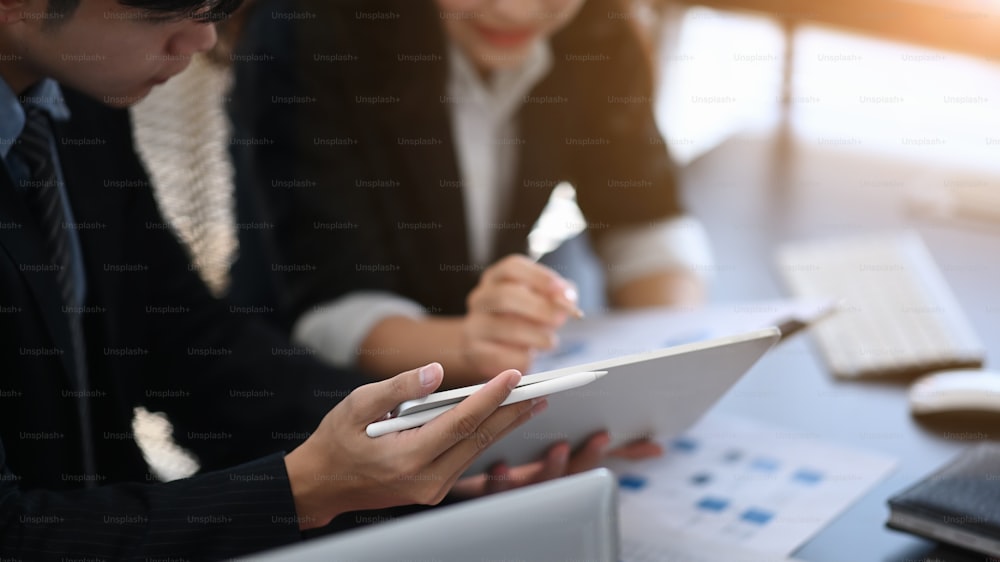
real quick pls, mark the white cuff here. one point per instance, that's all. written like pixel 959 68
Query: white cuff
pixel 337 329
pixel 633 252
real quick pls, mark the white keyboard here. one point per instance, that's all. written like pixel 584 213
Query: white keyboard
pixel 897 317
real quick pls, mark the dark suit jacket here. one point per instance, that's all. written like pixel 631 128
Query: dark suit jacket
pixel 344 143
pixel 155 337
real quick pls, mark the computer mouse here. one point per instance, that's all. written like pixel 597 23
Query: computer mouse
pixel 962 405
pixel 960 390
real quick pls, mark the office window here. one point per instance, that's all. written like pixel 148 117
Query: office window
pixel 720 75
pixel 896 99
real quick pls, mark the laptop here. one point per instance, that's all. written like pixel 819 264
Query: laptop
pixel 572 518
pixel 656 394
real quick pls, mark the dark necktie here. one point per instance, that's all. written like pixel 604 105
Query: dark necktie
pixel 44 198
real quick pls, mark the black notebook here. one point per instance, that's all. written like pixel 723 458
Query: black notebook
pixel 959 504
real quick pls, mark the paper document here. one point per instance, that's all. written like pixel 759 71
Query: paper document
pixel 613 335
pixel 740 483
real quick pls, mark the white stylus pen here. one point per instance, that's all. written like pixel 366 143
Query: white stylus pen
pixel 519 394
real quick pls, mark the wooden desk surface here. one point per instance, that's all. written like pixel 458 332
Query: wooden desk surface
pixel 750 201
pixel 971 27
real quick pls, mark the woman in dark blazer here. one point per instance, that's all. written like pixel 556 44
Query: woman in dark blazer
pixel 398 148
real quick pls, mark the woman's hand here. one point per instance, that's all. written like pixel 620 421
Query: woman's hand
pixel 514 311
pixel 558 462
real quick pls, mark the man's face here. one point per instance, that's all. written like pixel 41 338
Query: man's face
pixel 498 34
pixel 113 53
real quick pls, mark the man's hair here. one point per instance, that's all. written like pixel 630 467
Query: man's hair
pixel 203 10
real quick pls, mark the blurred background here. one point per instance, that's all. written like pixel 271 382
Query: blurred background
pixel 880 76
pixel 913 84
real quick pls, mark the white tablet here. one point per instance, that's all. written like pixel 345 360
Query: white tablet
pixel 653 394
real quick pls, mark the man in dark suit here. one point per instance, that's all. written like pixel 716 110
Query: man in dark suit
pixel 100 312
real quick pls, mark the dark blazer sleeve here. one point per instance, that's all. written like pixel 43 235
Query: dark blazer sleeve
pixel 209 517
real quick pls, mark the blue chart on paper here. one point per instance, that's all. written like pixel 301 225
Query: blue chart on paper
pixel 746 484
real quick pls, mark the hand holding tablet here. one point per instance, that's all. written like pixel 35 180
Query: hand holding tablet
pixel 651 394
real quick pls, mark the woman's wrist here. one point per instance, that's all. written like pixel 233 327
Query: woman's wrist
pixel 397 343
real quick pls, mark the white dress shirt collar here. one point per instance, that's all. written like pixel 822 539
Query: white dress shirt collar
pixel 484 126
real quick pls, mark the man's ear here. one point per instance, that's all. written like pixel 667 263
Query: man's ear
pixel 12 11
